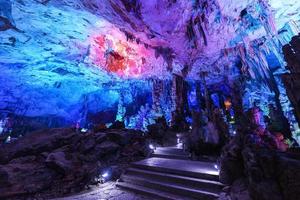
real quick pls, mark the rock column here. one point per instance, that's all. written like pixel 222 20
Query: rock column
pixel 292 80
pixel 179 102
pixel 157 92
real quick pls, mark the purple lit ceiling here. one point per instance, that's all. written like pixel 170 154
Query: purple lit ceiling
pixel 193 33
pixel 82 46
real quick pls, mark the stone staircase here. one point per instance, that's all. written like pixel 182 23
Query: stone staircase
pixel 171 153
pixel 170 175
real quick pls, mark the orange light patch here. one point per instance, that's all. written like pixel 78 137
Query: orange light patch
pixel 119 56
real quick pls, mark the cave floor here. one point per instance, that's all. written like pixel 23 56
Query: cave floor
pixel 106 191
pixel 110 191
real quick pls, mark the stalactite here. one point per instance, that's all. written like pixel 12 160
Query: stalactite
pixel 133 6
pixel 6 19
pixel 267 18
pixel 286 33
pixel 190 32
pixel 197 25
pixel 167 54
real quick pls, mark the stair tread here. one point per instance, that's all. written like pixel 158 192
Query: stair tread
pixel 174 186
pixel 175 148
pixel 174 176
pixel 183 166
pixel 170 149
pixel 154 192
pixel 170 153
pixel 180 157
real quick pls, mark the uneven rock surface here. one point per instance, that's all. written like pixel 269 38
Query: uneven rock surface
pixel 54 162
pixel 60 59
pixel 292 79
pixel 260 174
pixel 107 191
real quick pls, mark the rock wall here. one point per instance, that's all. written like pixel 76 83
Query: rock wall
pixel 53 162
pixel 272 175
pixel 260 174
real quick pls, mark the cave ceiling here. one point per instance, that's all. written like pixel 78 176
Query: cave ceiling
pixel 79 46
pixel 134 39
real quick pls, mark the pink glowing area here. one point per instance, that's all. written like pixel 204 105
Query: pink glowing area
pixel 124 57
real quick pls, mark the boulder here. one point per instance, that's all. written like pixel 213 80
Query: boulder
pixel 120 137
pixel 87 144
pixel 231 162
pixel 289 177
pixel 239 190
pixel 117 125
pixel 58 162
pixel 4 178
pixel 26 179
pixel 107 147
pixel 35 143
pixel 231 170
pixel 100 137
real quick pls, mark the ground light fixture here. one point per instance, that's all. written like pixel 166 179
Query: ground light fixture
pixel 152 147
pixel 104 177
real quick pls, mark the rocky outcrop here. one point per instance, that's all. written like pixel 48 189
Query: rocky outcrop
pixel 260 174
pixel 61 161
pixel 292 80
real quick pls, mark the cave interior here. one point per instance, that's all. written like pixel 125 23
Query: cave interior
pixel 114 82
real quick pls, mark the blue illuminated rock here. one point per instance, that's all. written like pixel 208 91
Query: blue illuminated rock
pixel 57 56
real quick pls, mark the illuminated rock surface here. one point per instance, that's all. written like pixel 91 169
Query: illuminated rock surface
pixel 135 63
pixel 54 54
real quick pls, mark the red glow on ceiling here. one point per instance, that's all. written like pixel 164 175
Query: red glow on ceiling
pixel 119 56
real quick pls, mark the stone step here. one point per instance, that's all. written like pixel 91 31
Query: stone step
pixel 196 183
pixel 171 153
pixel 170 156
pixel 194 169
pixel 157 194
pixel 171 150
pixel 171 188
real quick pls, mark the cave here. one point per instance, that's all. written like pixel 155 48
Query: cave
pixel 149 99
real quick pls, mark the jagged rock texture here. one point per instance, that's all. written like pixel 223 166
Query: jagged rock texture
pixel 54 162
pixel 59 57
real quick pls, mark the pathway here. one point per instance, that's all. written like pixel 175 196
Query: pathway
pixel 171 175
